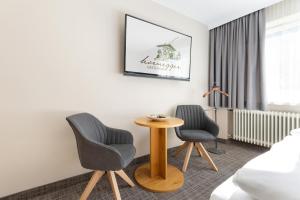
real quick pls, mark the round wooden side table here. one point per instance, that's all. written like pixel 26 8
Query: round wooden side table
pixel 158 175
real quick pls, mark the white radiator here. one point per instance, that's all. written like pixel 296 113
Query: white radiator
pixel 263 128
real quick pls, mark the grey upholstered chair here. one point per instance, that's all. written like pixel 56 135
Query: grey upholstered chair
pixel 197 128
pixel 103 149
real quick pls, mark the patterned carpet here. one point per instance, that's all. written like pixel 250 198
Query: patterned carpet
pixel 200 180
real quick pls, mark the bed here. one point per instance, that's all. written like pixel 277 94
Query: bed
pixel 272 175
pixel 229 191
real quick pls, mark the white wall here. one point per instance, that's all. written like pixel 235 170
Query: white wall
pixel 59 57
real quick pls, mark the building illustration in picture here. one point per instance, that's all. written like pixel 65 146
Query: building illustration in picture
pixel 167 51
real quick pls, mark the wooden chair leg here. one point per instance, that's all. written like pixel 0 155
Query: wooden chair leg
pixel 199 152
pixel 206 156
pixel 93 181
pixel 180 148
pixel 114 185
pixel 187 156
pixel 124 176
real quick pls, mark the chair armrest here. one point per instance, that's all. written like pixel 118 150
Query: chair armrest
pixel 118 136
pixel 97 156
pixel 212 127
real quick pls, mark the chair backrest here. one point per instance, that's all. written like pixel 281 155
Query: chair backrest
pixel 194 116
pixel 87 126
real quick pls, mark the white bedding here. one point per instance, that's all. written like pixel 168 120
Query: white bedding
pixel 229 191
pixel 274 174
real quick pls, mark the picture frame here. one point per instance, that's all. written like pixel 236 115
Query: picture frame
pixel 155 51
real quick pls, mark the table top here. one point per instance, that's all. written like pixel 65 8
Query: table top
pixel 171 122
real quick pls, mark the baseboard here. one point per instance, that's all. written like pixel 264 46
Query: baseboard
pixel 225 141
pixel 245 144
pixel 59 185
pixel 48 188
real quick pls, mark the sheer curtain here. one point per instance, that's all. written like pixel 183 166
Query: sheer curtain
pixel 282 53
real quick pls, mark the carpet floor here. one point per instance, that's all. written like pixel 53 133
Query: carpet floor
pixel 200 179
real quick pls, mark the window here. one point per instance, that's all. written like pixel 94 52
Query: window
pixel 282 59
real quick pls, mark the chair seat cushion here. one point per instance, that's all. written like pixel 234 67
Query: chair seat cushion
pixel 127 152
pixel 194 135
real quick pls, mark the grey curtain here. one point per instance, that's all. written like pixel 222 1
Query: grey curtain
pixel 236 62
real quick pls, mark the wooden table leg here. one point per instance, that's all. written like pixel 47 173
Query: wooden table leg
pixel 158 175
pixel 158 152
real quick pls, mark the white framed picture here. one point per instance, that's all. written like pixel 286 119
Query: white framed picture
pixel 155 51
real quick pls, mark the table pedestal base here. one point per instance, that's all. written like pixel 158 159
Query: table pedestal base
pixel 173 181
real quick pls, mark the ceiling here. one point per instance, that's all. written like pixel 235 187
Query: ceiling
pixel 214 13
